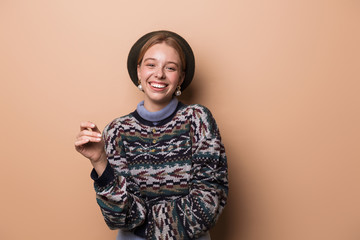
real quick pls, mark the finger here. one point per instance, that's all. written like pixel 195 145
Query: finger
pixel 96 129
pixel 89 126
pixel 86 124
pixel 81 142
pixel 89 134
pixel 90 139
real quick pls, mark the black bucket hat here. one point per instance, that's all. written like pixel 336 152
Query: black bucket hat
pixel 135 51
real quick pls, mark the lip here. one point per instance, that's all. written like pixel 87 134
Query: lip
pixel 157 89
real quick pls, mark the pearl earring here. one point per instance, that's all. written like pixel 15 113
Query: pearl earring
pixel 139 86
pixel 178 91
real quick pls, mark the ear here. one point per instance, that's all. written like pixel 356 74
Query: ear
pixel 181 79
pixel 138 71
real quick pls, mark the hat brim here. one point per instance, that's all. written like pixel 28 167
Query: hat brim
pixel 135 51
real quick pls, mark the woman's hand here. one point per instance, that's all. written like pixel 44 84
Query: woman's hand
pixel 91 145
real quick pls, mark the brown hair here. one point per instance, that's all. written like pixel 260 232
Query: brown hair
pixel 169 40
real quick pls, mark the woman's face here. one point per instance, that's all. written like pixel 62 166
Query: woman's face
pixel 160 73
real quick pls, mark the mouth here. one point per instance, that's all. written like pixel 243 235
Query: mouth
pixel 158 85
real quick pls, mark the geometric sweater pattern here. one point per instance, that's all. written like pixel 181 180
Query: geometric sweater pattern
pixel 166 181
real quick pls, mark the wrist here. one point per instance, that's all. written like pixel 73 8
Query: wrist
pixel 100 164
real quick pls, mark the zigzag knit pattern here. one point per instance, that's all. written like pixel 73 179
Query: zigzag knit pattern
pixel 170 180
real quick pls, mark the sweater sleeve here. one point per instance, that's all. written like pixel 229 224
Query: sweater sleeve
pixel 116 192
pixel 191 216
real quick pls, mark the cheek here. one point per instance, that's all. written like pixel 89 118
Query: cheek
pixel 175 78
pixel 145 73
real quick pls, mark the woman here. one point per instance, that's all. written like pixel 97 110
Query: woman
pixel 160 172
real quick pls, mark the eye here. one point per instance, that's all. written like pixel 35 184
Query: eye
pixel 171 68
pixel 150 65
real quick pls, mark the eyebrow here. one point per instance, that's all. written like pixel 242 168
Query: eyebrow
pixel 154 59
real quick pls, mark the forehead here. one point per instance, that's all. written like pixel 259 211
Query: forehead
pixel 162 51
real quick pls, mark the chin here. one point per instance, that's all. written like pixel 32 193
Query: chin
pixel 160 98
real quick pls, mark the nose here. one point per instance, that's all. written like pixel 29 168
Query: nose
pixel 160 74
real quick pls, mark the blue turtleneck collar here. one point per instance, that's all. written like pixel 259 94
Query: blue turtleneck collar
pixel 159 115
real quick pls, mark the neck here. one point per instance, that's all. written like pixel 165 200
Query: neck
pixel 152 107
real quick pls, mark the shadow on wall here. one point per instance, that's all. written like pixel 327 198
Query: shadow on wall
pixel 225 227
pixel 189 95
pixel 193 93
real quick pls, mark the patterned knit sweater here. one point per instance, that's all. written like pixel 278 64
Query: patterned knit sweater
pixel 167 181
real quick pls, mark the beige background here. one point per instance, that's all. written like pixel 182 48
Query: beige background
pixel 281 78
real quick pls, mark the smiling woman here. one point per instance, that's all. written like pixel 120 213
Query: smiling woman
pixel 160 172
pixel 160 74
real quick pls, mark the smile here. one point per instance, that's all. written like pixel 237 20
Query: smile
pixel 158 85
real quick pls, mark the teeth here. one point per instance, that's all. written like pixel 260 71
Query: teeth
pixel 157 85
